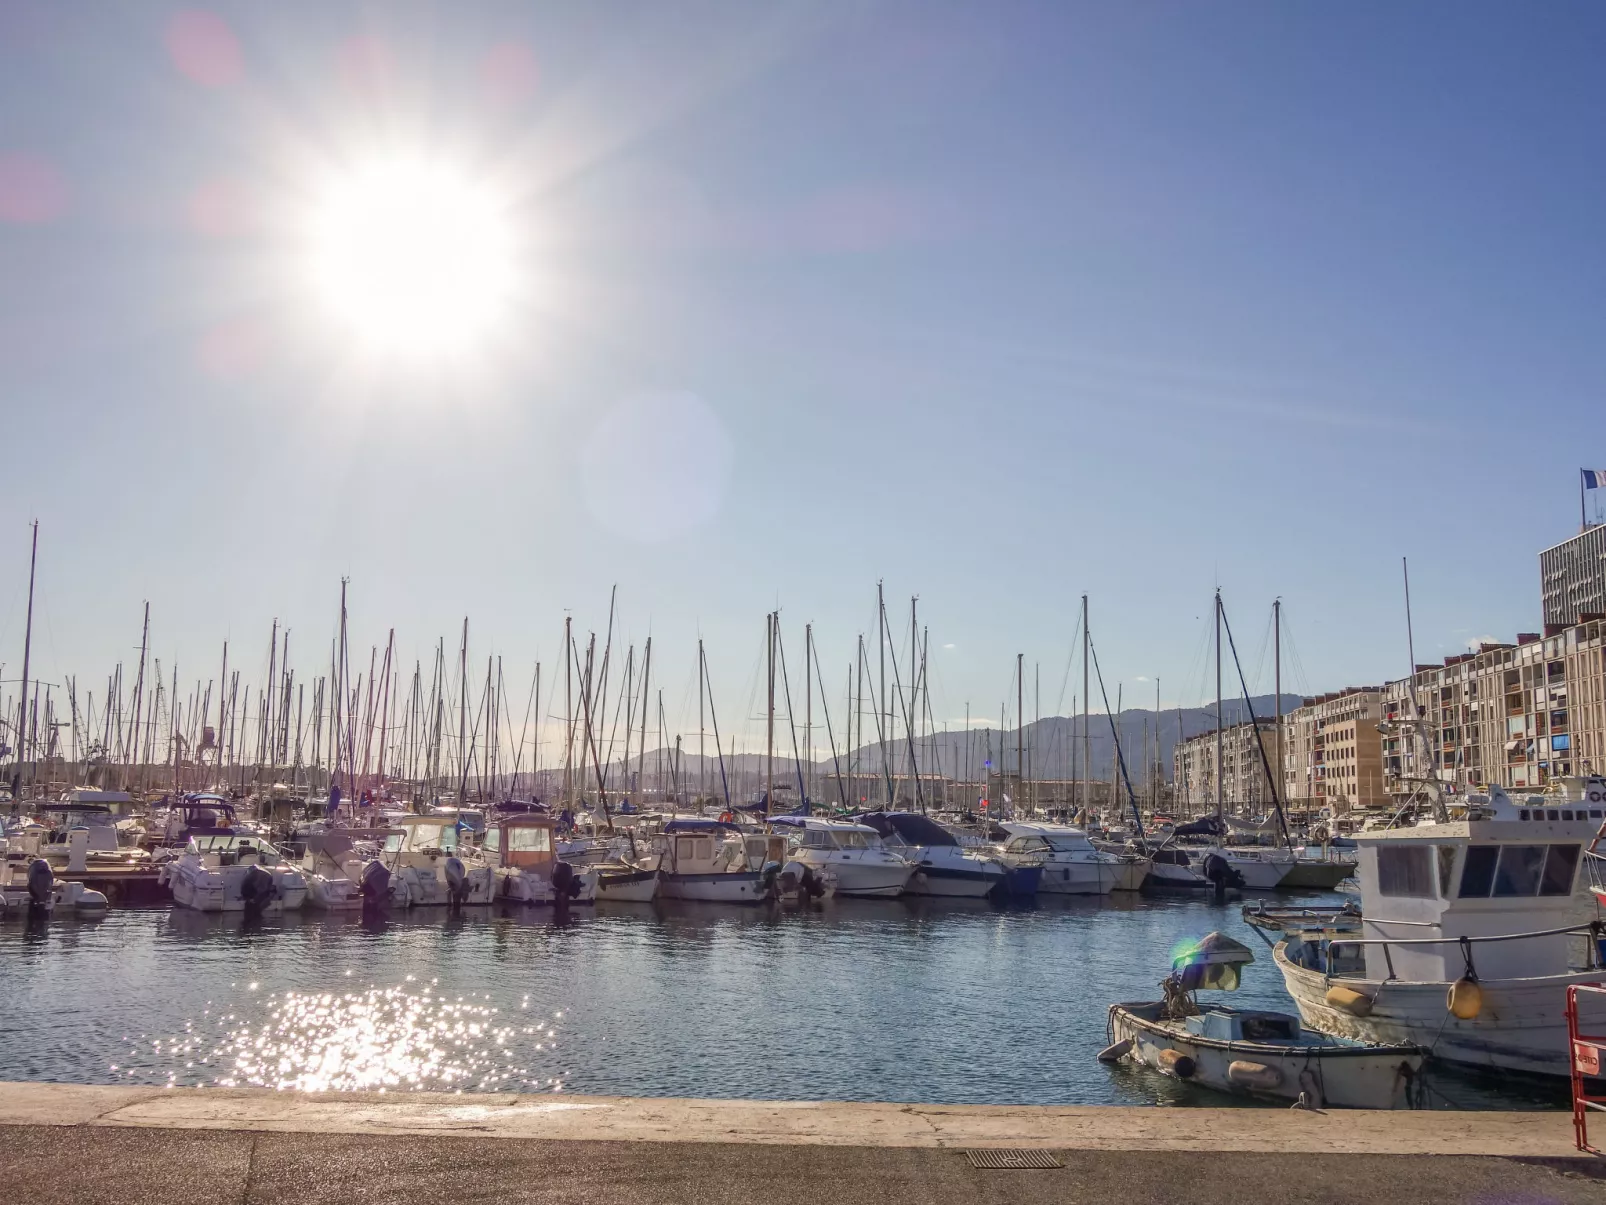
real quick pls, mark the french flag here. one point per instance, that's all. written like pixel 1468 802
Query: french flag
pixel 1594 479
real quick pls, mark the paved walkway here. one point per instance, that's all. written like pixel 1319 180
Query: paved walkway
pixel 135 1146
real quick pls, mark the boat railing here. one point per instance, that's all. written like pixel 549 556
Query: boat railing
pixel 1594 928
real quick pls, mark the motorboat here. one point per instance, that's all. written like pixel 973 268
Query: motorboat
pixel 226 871
pixel 1256 1052
pixel 1470 937
pixel 1071 863
pixel 942 866
pixel 1259 868
pixel 1171 869
pixel 520 849
pixel 28 882
pixel 429 864
pixel 334 866
pixel 854 853
pixel 706 860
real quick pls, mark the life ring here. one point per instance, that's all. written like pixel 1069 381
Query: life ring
pixel 726 818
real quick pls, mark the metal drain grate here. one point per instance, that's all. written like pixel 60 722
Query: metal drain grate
pixel 1013 1160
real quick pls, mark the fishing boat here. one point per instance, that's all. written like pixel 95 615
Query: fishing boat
pixel 854 853
pixel 520 849
pixel 706 860
pixel 1470 938
pixel 227 871
pixel 942 866
pixel 1255 1052
pixel 429 864
pixel 1071 863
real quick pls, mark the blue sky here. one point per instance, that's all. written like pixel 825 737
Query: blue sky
pixel 1000 303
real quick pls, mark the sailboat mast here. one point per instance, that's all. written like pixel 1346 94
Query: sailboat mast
pixel 769 749
pixel 1219 718
pixel 702 764
pixel 808 710
pixel 1277 661
pixel 1020 724
pixel 1087 740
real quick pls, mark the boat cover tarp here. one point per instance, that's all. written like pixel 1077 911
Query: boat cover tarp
pixel 914 828
pixel 1207 826
pixel 694 824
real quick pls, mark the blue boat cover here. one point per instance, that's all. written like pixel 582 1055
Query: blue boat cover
pixel 683 824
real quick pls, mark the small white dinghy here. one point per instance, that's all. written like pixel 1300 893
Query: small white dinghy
pixel 1254 1052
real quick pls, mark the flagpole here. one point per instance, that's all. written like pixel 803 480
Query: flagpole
pixel 1583 523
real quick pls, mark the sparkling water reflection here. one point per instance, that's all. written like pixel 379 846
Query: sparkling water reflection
pixel 888 1000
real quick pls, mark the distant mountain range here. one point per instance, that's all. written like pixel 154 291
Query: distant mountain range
pixel 1050 747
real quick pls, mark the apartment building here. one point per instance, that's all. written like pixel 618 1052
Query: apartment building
pixel 1572 578
pixel 1193 765
pixel 1333 751
pixel 1513 715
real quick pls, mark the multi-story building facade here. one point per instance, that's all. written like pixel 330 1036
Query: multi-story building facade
pixel 1246 751
pixel 1572 578
pixel 1511 715
pixel 1333 751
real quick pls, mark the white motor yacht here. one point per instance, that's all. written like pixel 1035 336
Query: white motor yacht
pixel 943 867
pixel 1072 864
pixel 430 864
pixel 1470 937
pixel 226 871
pixel 852 852
pixel 528 871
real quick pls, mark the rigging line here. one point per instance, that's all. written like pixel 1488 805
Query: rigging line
pixel 1260 743
pixel 1070 661
pixel 791 722
pixel 908 729
pixel 724 779
pixel 1120 758
pixel 826 707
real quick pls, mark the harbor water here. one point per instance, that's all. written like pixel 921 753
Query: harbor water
pixel 898 1000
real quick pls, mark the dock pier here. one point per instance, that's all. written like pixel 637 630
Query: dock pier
pixel 116 1144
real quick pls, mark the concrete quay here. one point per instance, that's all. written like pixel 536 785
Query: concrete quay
pixel 122 1145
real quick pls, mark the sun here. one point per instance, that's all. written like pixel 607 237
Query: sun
pixel 412 259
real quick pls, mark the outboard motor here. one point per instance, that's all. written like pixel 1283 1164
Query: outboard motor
pixel 1222 875
pixel 41 885
pixel 813 884
pixel 456 882
pixel 374 885
pixel 565 886
pixel 257 889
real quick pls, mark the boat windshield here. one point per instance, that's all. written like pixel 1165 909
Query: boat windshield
pixel 1068 842
pixel 422 836
pixel 849 839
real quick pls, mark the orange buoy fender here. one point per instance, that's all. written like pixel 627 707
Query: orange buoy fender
pixel 1357 1004
pixel 1178 1064
pixel 1248 1074
pixel 1464 999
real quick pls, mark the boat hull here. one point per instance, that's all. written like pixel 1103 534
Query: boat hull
pixel 735 887
pixel 628 886
pixel 333 894
pixel 1521 1027
pixel 1079 878
pixel 522 887
pixel 952 883
pixel 1344 1077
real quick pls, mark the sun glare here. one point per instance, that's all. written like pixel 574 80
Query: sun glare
pixel 413 259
